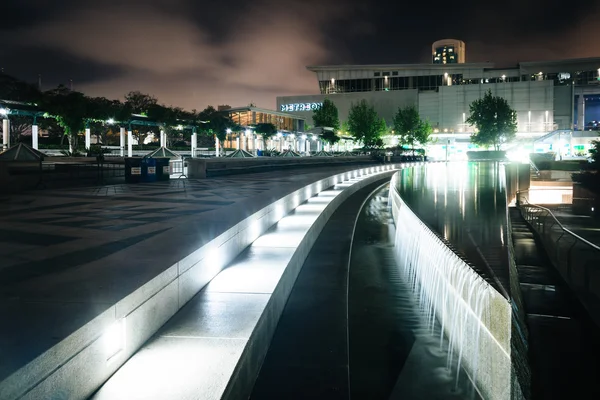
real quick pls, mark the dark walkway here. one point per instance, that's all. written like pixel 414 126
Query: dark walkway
pixel 564 344
pixel 308 356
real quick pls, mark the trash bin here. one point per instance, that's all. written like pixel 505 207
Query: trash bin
pixel 133 169
pixel 148 169
pixel 163 170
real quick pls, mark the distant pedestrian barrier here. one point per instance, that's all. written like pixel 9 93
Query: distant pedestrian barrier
pixel 577 259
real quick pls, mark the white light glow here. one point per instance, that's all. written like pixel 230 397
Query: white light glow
pixel 286 238
pixel 228 130
pixel 214 260
pixel 247 131
pixel 319 200
pixel 254 230
pixel 279 211
pixel 114 338
pixel 311 207
pixel 3 111
pixel 110 121
pixel 303 220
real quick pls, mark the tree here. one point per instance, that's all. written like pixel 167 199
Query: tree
pixel 19 124
pixel 14 89
pixel 329 136
pixel 365 125
pixel 411 129
pixel 100 111
pixel 70 109
pixel 495 120
pixel 140 103
pixel 217 123
pixel 266 130
pixel 327 116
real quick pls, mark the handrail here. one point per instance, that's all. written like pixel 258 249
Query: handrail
pixel 576 236
pixel 536 169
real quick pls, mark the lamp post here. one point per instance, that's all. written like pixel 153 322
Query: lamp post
pixel 5 128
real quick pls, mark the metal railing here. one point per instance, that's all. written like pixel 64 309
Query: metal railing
pixel 576 259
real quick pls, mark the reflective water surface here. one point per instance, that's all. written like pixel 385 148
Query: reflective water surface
pixel 465 203
pixel 396 349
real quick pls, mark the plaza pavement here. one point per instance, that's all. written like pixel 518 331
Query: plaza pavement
pixel 70 254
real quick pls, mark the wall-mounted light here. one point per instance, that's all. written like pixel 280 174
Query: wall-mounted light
pixel 114 339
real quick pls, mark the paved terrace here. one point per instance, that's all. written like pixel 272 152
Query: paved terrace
pixel 78 255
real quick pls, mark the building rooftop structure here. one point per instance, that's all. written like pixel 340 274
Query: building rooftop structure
pixel 384 77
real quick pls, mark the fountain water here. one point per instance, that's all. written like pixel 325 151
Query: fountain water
pixel 473 315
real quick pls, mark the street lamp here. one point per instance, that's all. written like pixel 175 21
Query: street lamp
pixel 3 111
pixel 110 121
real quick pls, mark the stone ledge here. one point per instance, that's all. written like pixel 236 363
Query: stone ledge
pixel 200 168
pixel 81 352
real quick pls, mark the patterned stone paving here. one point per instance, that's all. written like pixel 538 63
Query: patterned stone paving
pixel 66 255
pixel 67 227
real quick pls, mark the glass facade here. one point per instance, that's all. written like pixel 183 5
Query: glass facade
pixel 445 55
pixel 389 80
pixel 251 117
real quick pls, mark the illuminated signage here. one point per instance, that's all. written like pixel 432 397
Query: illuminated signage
pixel 563 76
pixel 300 107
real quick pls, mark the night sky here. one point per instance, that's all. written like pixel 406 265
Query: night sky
pixel 192 53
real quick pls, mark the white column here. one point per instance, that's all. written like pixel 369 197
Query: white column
pixel 318 145
pixel 88 138
pixel 254 144
pixel 194 144
pixel 122 141
pixel 5 134
pixel 34 136
pixel 581 113
pixel 217 146
pixel 129 144
pixel 237 143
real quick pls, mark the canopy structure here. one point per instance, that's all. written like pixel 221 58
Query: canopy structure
pixel 240 154
pixel 164 152
pixel 289 153
pixel 21 152
pixel 346 154
pixel 322 154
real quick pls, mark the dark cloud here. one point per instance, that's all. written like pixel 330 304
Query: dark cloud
pixel 235 52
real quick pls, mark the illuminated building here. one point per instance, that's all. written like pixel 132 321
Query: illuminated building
pixel 547 95
pixel 448 51
pixel 248 117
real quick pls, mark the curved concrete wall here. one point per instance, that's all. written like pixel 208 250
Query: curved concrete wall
pixel 75 367
pixel 474 316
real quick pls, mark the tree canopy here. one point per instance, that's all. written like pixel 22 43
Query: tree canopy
pixel 410 128
pixel 327 116
pixel 365 125
pixel 329 136
pixel 495 120
pixel 266 129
